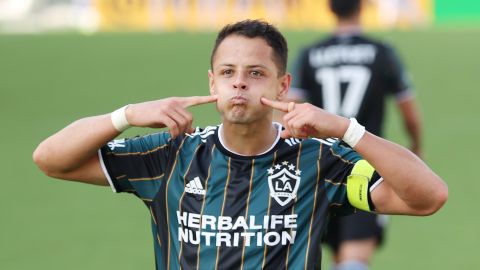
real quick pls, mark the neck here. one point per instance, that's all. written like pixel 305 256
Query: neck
pixel 248 139
pixel 349 25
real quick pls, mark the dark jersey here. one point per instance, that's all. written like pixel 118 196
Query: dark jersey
pixel 214 209
pixel 350 75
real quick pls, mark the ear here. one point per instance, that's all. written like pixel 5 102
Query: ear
pixel 211 82
pixel 285 82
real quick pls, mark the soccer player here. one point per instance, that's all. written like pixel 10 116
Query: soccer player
pixel 351 75
pixel 246 194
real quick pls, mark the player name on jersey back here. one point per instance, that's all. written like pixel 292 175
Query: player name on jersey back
pixel 338 54
pixel 224 231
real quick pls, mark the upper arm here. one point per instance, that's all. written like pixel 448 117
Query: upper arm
pixel 367 190
pixel 90 172
pixel 136 165
pixel 132 165
pixel 364 179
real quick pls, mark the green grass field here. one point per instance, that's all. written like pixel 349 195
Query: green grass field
pixel 48 81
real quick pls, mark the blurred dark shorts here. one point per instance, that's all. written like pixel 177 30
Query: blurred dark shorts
pixel 358 226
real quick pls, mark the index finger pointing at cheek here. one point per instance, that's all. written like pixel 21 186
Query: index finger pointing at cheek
pixel 278 105
pixel 198 100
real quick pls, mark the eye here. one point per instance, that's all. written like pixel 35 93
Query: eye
pixel 256 73
pixel 226 72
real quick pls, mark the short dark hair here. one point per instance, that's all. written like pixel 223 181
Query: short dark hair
pixel 344 8
pixel 261 29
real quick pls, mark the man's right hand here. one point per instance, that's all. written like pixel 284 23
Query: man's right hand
pixel 169 112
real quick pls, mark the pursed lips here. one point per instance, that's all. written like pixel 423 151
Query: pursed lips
pixel 238 100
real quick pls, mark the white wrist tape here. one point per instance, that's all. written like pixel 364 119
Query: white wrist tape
pixel 354 133
pixel 119 119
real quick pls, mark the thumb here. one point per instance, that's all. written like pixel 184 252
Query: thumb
pixel 285 134
pixel 191 130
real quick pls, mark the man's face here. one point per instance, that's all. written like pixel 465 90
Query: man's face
pixel 243 72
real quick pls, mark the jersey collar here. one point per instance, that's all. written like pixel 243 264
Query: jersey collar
pixel 224 149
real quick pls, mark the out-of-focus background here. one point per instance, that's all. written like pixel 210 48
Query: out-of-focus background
pixel 61 60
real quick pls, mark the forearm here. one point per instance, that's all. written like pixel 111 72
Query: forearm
pixel 73 146
pixel 412 123
pixel 71 153
pixel 408 176
pixel 414 131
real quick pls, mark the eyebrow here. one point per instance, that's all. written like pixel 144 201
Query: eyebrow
pixel 249 66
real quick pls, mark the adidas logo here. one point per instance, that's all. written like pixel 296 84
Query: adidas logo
pixel 195 187
pixel 116 143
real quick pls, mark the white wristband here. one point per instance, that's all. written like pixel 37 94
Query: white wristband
pixel 119 119
pixel 354 133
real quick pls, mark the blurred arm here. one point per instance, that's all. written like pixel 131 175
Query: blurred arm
pixel 412 123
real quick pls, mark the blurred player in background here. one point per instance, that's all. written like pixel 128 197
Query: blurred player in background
pixel 351 75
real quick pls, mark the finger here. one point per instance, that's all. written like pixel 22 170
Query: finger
pixel 278 105
pixel 190 130
pixel 197 100
pixel 171 125
pixel 302 126
pixel 286 134
pixel 184 119
pixel 296 124
pixel 291 106
pixel 181 121
pixel 289 116
pixel 189 117
pixel 287 121
pixel 290 130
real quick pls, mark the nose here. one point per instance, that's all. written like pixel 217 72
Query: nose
pixel 240 82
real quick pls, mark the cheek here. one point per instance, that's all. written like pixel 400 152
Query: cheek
pixel 268 90
pixel 221 101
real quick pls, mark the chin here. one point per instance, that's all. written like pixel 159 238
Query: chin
pixel 236 118
pixel 240 114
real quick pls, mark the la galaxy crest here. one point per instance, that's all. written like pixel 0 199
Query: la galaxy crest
pixel 283 182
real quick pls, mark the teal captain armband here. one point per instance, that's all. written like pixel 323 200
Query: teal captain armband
pixel 358 185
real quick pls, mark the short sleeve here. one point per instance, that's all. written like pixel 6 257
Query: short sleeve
pixel 397 78
pixel 298 91
pixel 136 165
pixel 298 69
